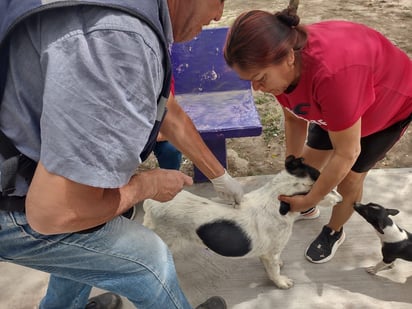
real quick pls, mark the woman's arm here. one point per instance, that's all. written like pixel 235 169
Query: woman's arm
pixel 346 145
pixel 295 133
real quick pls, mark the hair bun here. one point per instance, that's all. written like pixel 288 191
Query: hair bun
pixel 288 17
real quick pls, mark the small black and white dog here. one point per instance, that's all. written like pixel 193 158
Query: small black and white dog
pixel 255 228
pixel 396 242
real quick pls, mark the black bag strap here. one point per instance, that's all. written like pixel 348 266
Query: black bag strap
pixel 13 203
pixel 15 163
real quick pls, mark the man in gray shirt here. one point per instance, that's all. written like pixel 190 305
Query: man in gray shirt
pixel 82 94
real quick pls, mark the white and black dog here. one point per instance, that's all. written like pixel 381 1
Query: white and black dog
pixel 396 242
pixel 256 228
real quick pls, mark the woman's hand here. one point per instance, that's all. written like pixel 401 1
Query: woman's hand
pixel 298 203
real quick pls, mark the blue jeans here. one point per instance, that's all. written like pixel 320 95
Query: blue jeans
pixel 123 257
pixel 167 155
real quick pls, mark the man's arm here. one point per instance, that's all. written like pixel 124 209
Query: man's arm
pixel 55 204
pixel 179 129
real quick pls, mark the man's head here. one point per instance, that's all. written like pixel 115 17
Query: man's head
pixel 189 16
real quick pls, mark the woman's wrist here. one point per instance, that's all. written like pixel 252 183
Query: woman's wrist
pixel 313 199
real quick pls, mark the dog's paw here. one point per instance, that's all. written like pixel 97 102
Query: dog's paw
pixel 332 198
pixel 283 282
pixel 371 270
pixel 378 267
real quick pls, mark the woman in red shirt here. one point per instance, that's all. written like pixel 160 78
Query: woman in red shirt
pixel 346 93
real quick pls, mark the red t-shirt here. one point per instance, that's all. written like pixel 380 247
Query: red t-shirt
pixel 349 72
pixel 172 86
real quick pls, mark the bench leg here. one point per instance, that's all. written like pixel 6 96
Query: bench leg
pixel 217 144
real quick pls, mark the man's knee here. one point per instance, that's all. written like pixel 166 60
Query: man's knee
pixel 136 243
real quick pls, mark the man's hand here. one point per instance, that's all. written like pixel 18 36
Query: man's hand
pixel 228 188
pixel 72 207
pixel 167 183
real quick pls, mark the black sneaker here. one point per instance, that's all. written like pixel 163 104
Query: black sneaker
pixel 214 302
pixel 105 301
pixel 323 248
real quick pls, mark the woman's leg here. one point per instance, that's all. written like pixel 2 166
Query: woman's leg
pixel 351 189
pixel 318 148
pixel 315 157
pixel 373 148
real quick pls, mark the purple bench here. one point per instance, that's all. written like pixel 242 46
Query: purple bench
pixel 220 104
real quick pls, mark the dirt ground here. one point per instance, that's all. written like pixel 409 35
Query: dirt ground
pixel 265 154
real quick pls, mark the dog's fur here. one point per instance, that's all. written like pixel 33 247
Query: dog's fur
pixel 255 229
pixel 396 242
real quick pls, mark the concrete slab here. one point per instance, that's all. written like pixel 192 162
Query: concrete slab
pixel 341 283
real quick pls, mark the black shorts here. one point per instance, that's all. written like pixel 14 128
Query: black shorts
pixel 373 147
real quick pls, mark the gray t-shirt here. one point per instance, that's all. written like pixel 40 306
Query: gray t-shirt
pixel 81 93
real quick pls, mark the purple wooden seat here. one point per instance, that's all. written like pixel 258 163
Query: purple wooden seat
pixel 220 104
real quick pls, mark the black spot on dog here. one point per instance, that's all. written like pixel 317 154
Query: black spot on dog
pixel 225 238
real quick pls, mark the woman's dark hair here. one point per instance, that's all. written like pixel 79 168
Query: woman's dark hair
pixel 258 38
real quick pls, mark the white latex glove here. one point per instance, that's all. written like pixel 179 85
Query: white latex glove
pixel 228 188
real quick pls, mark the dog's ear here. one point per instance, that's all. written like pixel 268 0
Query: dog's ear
pixel 289 162
pixel 392 211
pixel 296 167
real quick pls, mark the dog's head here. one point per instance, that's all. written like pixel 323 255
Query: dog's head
pixel 298 179
pixel 376 215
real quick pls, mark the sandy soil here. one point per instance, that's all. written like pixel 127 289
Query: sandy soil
pixel 265 154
